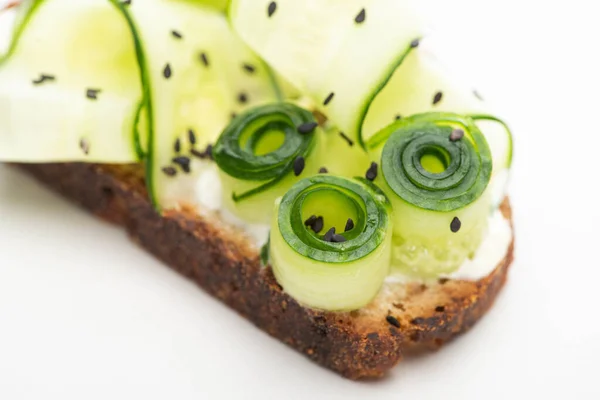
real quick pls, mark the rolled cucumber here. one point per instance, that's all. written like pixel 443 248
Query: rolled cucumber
pixel 69 84
pixel 435 169
pixel 330 243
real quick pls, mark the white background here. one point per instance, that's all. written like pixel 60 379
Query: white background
pixel 85 314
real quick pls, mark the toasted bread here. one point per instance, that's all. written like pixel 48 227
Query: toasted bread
pixel 225 263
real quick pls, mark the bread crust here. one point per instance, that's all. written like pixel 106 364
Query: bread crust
pixel 220 259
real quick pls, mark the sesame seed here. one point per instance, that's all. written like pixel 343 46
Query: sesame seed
pixel 183 162
pixel 440 309
pixel 299 165
pixel 243 98
pixel 191 136
pixel 417 321
pixel 126 2
pixel 209 151
pixel 43 78
pixel 307 127
pixel 176 34
pixel 329 98
pixel 84 145
pixel 398 117
pixel 360 18
pixel 92 94
pixel 177 146
pixel 323 170
pixel 204 59
pixel 349 225
pixel 169 171
pixel 198 154
pixel 372 172
pixel 167 71
pixel 437 98
pixel 443 281
pixel 329 235
pixel 249 68
pixel 456 135
pixel 415 43
pixel 233 115
pixel 347 139
pixel 310 221
pixel 455 225
pixel 317 226
pixel 392 321
pixel 272 8
pixel 338 239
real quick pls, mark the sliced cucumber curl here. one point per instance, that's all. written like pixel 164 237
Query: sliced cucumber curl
pixel 262 153
pixel 326 270
pixel 435 169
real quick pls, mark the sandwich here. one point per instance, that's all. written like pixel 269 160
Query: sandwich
pixel 310 164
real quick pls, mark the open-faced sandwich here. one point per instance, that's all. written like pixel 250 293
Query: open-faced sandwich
pixel 309 163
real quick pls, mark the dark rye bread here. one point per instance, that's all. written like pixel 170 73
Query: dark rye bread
pixel 360 344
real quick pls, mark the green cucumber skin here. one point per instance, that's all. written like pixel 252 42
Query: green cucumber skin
pixel 25 11
pixel 331 276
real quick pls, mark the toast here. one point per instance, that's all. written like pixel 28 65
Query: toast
pixel 224 262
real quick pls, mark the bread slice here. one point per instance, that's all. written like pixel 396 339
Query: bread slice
pixel 225 263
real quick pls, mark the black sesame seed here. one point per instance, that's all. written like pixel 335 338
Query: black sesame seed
pixel 417 321
pixel 317 226
pixel 198 154
pixel 349 225
pixel 440 309
pixel 84 145
pixel 126 2
pixel 43 78
pixel 455 225
pixel 183 162
pixel 272 8
pixel 443 281
pixel 347 139
pixel 398 117
pixel 456 135
pixel 208 152
pixel 167 71
pixel 249 68
pixel 415 43
pixel 299 165
pixel 191 136
pixel 92 94
pixel 392 321
pixel 176 34
pixel 204 59
pixel 243 98
pixel 169 171
pixel 372 172
pixel 329 98
pixel 360 18
pixel 177 146
pixel 310 221
pixel 437 98
pixel 329 235
pixel 338 239
pixel 307 127
pixel 478 95
pixel 323 170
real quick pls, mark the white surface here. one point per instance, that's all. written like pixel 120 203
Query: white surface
pixel 84 314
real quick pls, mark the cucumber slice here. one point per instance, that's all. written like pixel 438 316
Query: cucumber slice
pixel 69 85
pixel 332 272
pixel 435 170
pixel 264 151
pixel 331 50
pixel 198 74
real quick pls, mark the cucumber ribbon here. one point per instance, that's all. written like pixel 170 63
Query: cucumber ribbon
pixel 436 168
pixel 318 271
